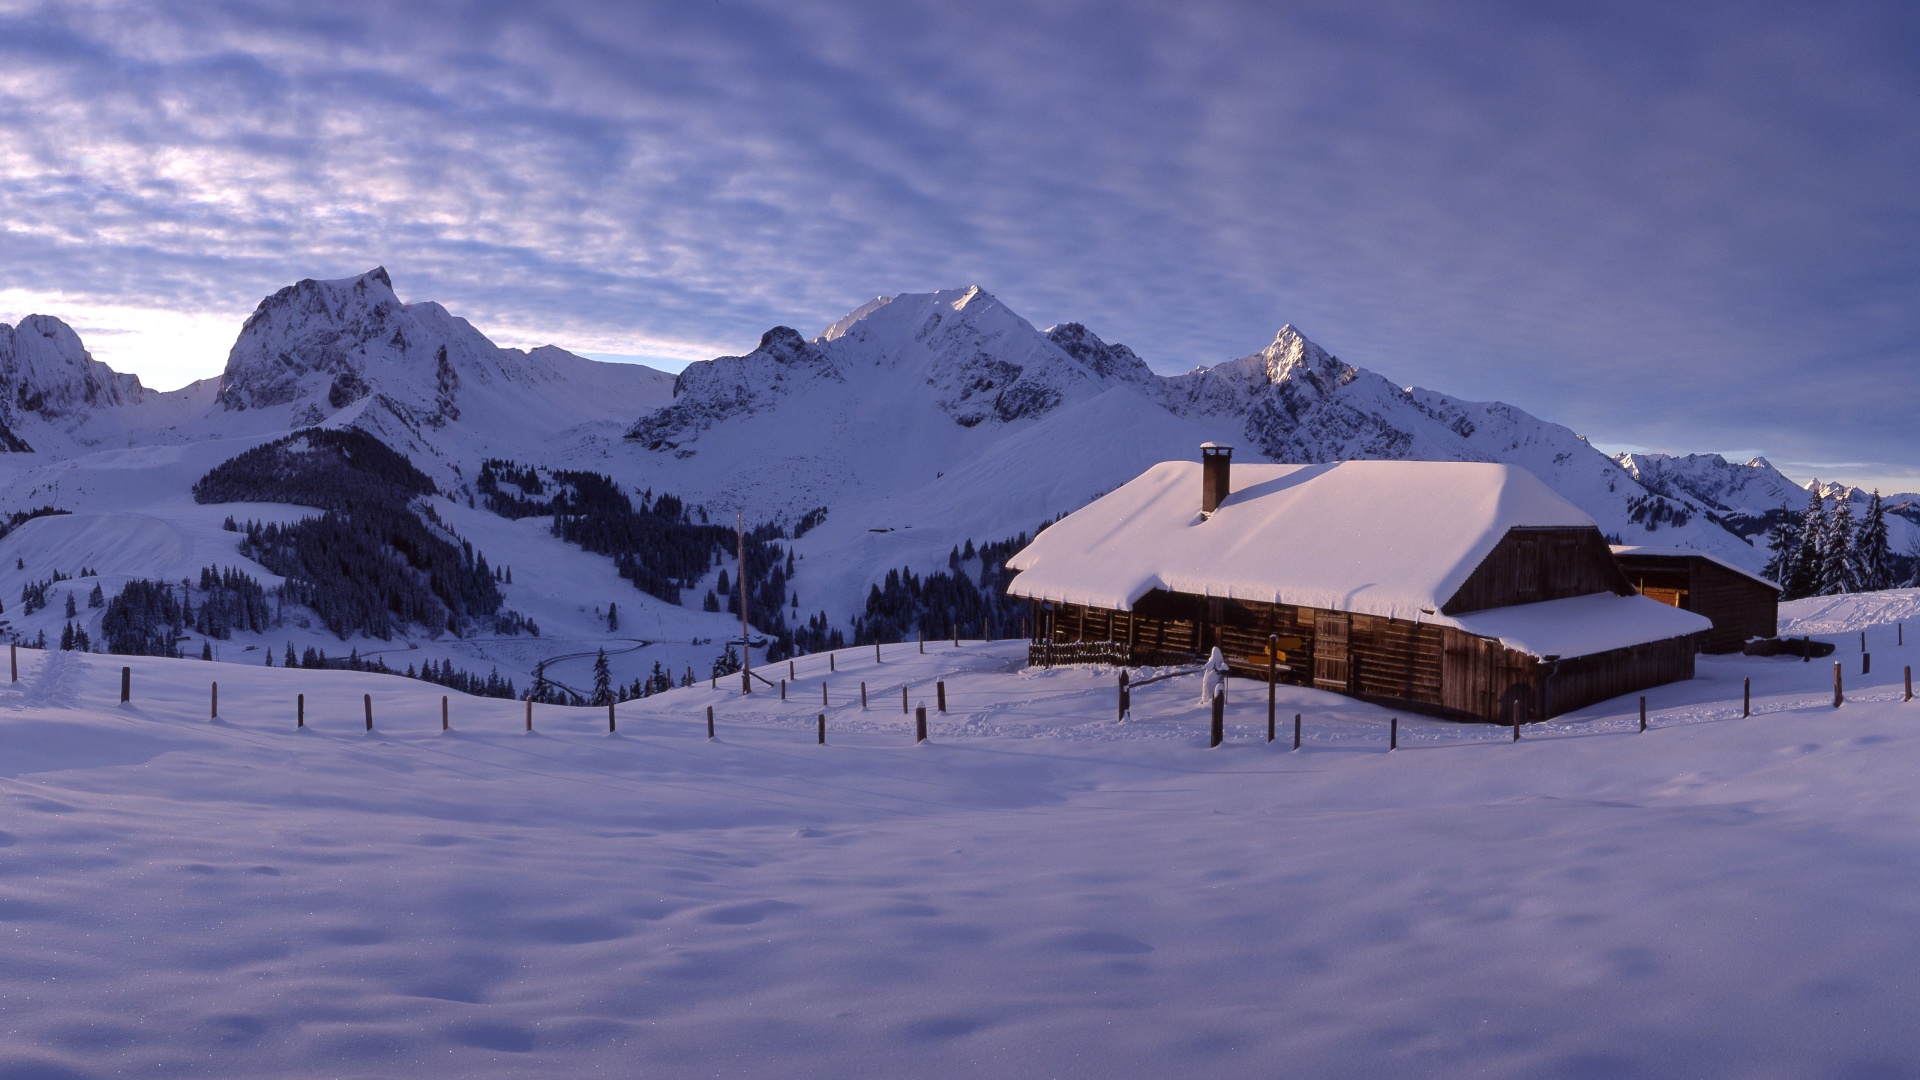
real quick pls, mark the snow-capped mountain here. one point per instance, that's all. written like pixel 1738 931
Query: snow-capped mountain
pixel 922 421
pixel 49 380
pixel 1751 497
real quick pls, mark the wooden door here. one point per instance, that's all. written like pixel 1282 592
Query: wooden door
pixel 1332 662
pixel 1466 675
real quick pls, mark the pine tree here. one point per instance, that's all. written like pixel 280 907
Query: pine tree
pixel 1803 576
pixel 291 660
pixel 613 617
pixel 602 680
pixel 1872 558
pixel 1784 544
pixel 96 598
pixel 66 638
pixel 206 650
pixel 1836 550
pixel 72 608
pixel 727 663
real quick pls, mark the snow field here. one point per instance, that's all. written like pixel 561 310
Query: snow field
pixel 1038 890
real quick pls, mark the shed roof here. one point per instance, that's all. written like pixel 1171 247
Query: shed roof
pixel 1690 553
pixel 1393 538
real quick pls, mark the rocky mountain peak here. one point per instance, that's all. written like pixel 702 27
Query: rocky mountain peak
pixel 46 372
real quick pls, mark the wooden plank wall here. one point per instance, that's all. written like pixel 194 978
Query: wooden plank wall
pixel 1432 669
pixel 1530 565
pixel 1739 606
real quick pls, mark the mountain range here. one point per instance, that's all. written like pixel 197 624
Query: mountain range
pixel 910 427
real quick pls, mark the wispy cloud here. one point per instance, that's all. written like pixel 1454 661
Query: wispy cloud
pixel 1669 226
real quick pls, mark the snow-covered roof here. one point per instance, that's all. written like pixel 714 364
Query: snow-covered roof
pixel 1580 625
pixel 1393 538
pixel 1691 553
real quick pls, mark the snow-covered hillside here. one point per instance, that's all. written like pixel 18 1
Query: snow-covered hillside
pixel 1038 890
pixel 918 423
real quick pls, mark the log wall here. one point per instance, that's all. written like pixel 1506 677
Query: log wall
pixel 1531 565
pixel 1740 607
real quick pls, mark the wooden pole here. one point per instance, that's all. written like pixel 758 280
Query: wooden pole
pixel 1643 712
pixel 1393 734
pixel 126 685
pixel 443 712
pixel 876 652
pixel 790 674
pixel 922 634
pixel 940 695
pixel 783 689
pixel 1909 696
pixel 367 700
pixel 300 710
pixel 903 701
pixel 956 633
pixel 1273 677
pixel 746 650
pixel 920 724
pixel 863 695
pixel 823 692
pixel 609 717
pixel 1218 733
pixel 1866 663
pixel 213 709
pixel 13 654
pixel 1838 697
pixel 1296 731
pixel 1121 702
pixel 823 729
pixel 709 721
pixel 529 714
pixel 1746 697
pixel 832 664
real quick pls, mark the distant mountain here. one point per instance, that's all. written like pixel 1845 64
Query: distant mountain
pixel 925 420
pixel 1751 497
pixel 47 378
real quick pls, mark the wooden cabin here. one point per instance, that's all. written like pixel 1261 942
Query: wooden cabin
pixel 1460 589
pixel 1741 605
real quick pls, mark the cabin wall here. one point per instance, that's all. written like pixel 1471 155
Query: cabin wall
pixel 1531 565
pixel 1740 607
pixel 1421 667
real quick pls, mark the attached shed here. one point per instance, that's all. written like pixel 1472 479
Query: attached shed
pixel 1460 589
pixel 1742 605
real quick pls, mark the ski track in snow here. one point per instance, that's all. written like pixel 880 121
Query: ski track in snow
pixel 1039 890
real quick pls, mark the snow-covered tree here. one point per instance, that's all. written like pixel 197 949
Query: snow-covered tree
pixel 1803 574
pixel 1872 557
pixel 1784 545
pixel 1836 550
pixel 602 680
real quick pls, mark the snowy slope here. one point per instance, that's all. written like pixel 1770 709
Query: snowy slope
pixel 1037 891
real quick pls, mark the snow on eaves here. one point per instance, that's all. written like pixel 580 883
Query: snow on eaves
pixel 1687 552
pixel 1580 625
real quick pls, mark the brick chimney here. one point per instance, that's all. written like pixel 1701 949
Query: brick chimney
pixel 1216 467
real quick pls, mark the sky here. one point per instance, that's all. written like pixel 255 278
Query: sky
pixel 1670 227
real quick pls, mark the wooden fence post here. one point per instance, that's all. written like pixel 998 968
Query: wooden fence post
pixel 13 655
pixel 956 633
pixel 1273 661
pixel 1746 697
pixel 790 674
pixel 876 652
pixel 1643 712
pixel 823 729
pixel 923 642
pixel 940 695
pixel 783 689
pixel 823 692
pixel 213 707
pixel 832 664
pixel 1218 734
pixel 920 724
pixel 863 695
pixel 609 717
pixel 903 701
pixel 1838 697
pixel 1393 734
pixel 367 699
pixel 299 710
pixel 443 712
pixel 1866 663
pixel 1909 696
pixel 709 721
pixel 1296 731
pixel 126 685
pixel 1122 702
pixel 529 714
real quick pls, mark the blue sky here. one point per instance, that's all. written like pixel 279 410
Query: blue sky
pixel 1675 227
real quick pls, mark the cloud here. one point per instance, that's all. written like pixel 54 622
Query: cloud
pixel 1678 227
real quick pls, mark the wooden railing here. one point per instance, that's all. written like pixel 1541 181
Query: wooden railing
pixel 1050 653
